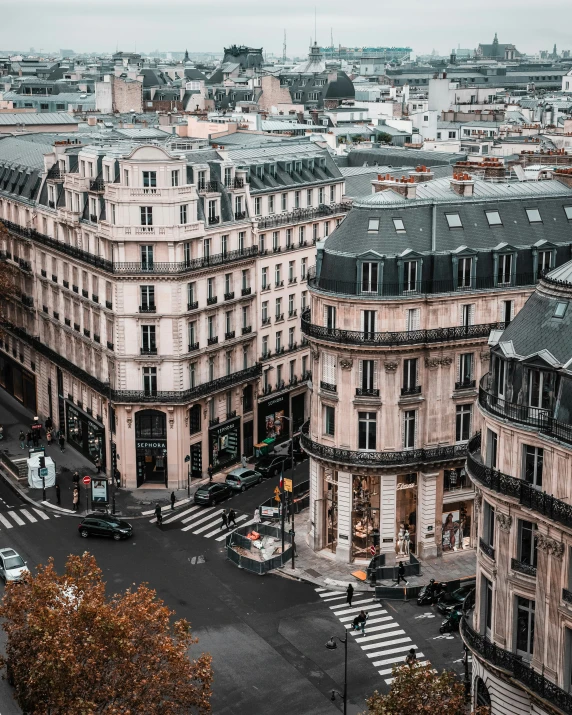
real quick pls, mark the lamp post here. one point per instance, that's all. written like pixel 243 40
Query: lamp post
pixel 291 499
pixel 188 460
pixel 332 645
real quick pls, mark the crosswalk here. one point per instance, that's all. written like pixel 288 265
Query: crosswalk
pixel 204 521
pixel 21 517
pixel 385 643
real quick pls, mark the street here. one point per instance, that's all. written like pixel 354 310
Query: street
pixel 266 634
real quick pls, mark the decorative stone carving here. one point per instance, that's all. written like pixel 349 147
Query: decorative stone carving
pixel 129 422
pixel 504 521
pixel 346 363
pixel 446 361
pixel 315 355
pixel 485 356
pixel 390 366
pixel 478 500
pixel 434 362
pixel 550 546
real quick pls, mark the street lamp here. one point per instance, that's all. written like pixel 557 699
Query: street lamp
pixel 188 459
pixel 332 645
pixel 283 417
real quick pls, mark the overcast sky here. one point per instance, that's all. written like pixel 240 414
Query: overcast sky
pixel 209 25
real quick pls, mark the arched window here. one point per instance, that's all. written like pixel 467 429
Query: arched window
pixel 482 693
pixel 151 424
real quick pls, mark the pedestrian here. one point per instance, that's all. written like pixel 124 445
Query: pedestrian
pixel 411 658
pixel 173 500
pixel 98 463
pixel 401 574
pixel 231 517
pixel 257 516
pixel 224 520
pixel 35 437
pixel 243 461
pixel 349 594
pixel 29 438
pixel 48 423
pixel 62 442
pixel 58 499
pixel 158 514
pixel 49 437
pixel 22 439
pixel 117 478
pixel 210 472
pixel 75 480
pixel 75 499
pixel 360 621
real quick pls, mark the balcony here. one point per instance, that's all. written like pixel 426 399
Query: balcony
pixel 239 215
pixel 279 318
pixel 87 333
pixel 238 183
pixel 291 281
pixel 410 391
pixel 213 220
pixel 43 273
pixel 147 309
pixel 193 306
pixel 212 300
pixel 209 187
pixel 366 392
pixel 97 185
pixel 247 329
pixel 230 415
pixel 193 264
pixel 300 215
pixel 27 300
pixel 408 337
pixel 213 340
pixel 328 387
pixel 56 174
pixel 85 293
pixel 93 218
pixel 466 385
pixel 95 298
pixel 523 568
pixel 54 278
pixel 279 351
pixel 229 296
pixel 406 457
pixel 25 265
pixel 214 421
pixel 276 249
pixel 192 394
pixel 97 338
pixel 56 314
pixel 150 350
pixel 109 305
pixel 246 291
pixel 75 289
pixel 279 284
pixel 230 335
pixel 487 549
pixel 66 284
pixel 109 345
pixel 47 310
pixel 76 326
pixel 193 347
pixel 67 321
pixel 266 321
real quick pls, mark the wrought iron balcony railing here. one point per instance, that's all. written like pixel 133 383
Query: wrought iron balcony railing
pixel 408 391
pixel 523 567
pixel 366 392
pixel 487 549
pixel 307 214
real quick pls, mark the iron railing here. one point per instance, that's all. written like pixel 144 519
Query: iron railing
pixel 307 214
pixel 193 393
pixel 415 390
pixel 366 392
pixel 465 385
pixel 407 337
pixel 487 549
pixel 522 567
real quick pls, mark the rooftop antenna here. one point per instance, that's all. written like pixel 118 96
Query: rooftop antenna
pixel 284 48
pixel 332 38
pixel 315 27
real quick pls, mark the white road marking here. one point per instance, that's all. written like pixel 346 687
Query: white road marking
pixel 28 515
pixel 6 523
pixel 40 513
pixel 16 518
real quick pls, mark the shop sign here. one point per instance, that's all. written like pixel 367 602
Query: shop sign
pixel 150 444
pixel 225 428
pixel 401 487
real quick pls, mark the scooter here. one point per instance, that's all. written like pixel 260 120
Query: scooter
pixel 451 623
pixel 430 593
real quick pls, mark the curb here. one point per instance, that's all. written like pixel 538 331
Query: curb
pixel 359 587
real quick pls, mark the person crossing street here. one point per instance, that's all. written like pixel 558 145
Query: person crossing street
pixel 224 524
pixel 231 518
pixel 349 594
pixel 158 514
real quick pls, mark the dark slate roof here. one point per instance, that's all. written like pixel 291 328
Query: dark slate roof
pixel 341 88
pixel 394 156
pixel 193 73
pixel 535 328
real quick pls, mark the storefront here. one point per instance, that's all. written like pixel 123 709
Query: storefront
pixel 365 514
pixel 151 447
pixel 85 434
pixel 456 531
pixel 18 382
pixel 270 412
pixel 298 411
pixel 197 460
pixel 330 510
pixel 406 514
pixel 224 443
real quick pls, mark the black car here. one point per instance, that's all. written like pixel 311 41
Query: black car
pixel 212 493
pixel 450 601
pixel 272 464
pixel 104 525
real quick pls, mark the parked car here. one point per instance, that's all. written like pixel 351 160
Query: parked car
pixel 272 464
pixel 212 493
pixel 239 479
pixel 12 565
pixel 450 601
pixel 104 525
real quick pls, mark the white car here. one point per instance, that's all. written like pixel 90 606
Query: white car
pixel 12 566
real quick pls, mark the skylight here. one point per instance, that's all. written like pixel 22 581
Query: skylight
pixel 560 310
pixel 373 225
pixel 454 220
pixel 533 216
pixel 493 217
pixel 399 225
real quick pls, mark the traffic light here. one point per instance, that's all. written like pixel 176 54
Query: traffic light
pixel 375 537
pixel 42 462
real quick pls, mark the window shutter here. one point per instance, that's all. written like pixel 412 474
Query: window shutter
pixel 512 309
pixel 472 314
pixel 363 321
pixel 461 314
pixel 325 316
pixel 332 379
pixel 416 318
pixel 360 374
pixel 458 368
pixel 325 368
pixel 403 429
pixel 375 364
pixel 414 429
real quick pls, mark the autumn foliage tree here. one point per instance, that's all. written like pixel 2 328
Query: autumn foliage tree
pixel 72 649
pixel 420 690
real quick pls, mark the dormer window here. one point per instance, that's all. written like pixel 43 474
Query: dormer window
pixel 149 179
pixel 533 216
pixel 373 225
pixel 504 272
pixel 464 272
pixel 454 220
pixel 560 310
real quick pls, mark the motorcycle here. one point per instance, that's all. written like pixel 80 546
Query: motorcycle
pixel 451 623
pixel 430 593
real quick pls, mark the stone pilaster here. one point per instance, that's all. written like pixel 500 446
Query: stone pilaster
pixel 344 546
pixel 502 559
pixel 428 513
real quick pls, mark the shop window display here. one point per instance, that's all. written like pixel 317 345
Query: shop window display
pixel 331 511
pixel 455 533
pixel 85 434
pixel 365 514
pixel 406 514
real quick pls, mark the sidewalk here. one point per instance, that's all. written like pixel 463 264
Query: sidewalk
pixel 323 570
pixel 128 503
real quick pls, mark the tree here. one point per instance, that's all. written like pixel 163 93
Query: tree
pixel 420 690
pixel 384 138
pixel 73 650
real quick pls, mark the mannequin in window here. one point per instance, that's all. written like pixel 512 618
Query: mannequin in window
pixel 401 539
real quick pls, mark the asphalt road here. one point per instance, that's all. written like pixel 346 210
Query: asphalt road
pixel 266 634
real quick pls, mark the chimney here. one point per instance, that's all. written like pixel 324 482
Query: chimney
pixel 463 184
pixel 405 187
pixel 421 173
pixel 564 176
pixel 91 121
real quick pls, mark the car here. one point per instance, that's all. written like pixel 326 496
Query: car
pixel 448 602
pixel 12 565
pixel 212 493
pixel 270 465
pixel 104 525
pixel 241 478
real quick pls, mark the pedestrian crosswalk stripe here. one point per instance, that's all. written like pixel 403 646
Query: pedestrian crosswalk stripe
pixel 41 513
pixel 16 518
pixel 248 523
pixel 28 515
pixel 178 516
pixel 196 521
pixel 199 513
pixel 385 640
pixel 215 515
pixel 242 517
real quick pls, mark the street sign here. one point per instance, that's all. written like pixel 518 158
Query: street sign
pixel 44 472
pixel 86 480
pixel 270 511
pixel 287 485
pixel 276 494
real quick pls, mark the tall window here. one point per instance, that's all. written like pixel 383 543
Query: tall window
pixel 210 288
pixel 330 317
pixel 369 273
pixel 192 333
pixel 524 627
pixel 183 212
pixel 527 537
pixel 309 197
pixel 409 418
pixel 257 206
pixel 276 241
pixel 539 389
pixel 211 326
pixel 487 607
pixel 278 275
pixel 148 344
pixel 291 271
pixel 533 463
pixel 465 369
pixel 264 278
pixel 193 374
pixel 410 276
pixel 367 376
pixel 146 215
pixel 262 243
pixel 488 524
pixel 544 262
pixel 409 374
pixel 366 430
pixel 413 319
pixel 464 268
pixel 492 448
pixel 265 318
pixel 175 178
pixel 329 369
pixel 271 204
pixel 463 423
pixel 212 211
pixel 288 237
pixel 507 311
pixel 291 332
pixel 150 380
pixel 149 179
pixel 284 205
pixel 504 270
pixel 148 298
pixel 467 315
pixel 241 236
pixel 329 421
pixel 303 268
pixel 297 199
pixel 368 324
pixel 207 248
pixel 191 294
